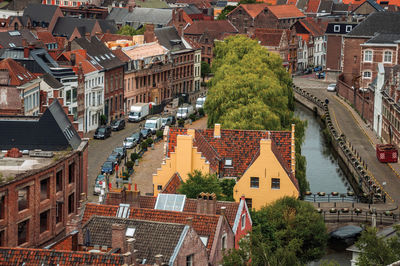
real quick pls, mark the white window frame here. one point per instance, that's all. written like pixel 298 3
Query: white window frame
pixel 336 28
pixel 223 241
pixel 384 56
pixel 368 76
pixel 348 28
pixel 243 221
pixel 368 58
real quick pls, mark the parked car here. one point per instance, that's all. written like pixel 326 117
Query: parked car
pixel 107 168
pixel 307 71
pixel 200 102
pixel 121 151
pixel 321 75
pixel 317 68
pixel 137 137
pixel 168 121
pixel 102 132
pixel 115 158
pixel 153 123
pixel 117 125
pixel 98 184
pixel 129 143
pixel 146 132
pixel 331 87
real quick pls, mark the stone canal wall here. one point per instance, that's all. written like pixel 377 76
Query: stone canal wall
pixel 349 160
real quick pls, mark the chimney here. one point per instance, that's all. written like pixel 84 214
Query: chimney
pixel 74 236
pixel 26 48
pixel 149 35
pixel 130 8
pixel 223 210
pixel 217 131
pixel 200 204
pixel 189 221
pixel 73 59
pixel 118 237
pixel 159 259
pixel 130 255
pixel 211 203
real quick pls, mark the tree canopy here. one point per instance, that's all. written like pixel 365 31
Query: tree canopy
pixel 225 12
pixel 208 183
pixel 287 232
pixel 375 250
pixel 251 90
pixel 128 30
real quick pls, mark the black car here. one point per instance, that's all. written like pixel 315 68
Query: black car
pixel 117 125
pixel 145 133
pixel 121 151
pixel 308 71
pixel 137 137
pixel 102 132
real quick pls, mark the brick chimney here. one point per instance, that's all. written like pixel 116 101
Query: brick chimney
pixel 149 35
pixel 26 48
pixel 217 131
pixel 118 238
pixel 206 203
pixel 201 208
pixel 130 8
pixel 159 259
pixel 211 204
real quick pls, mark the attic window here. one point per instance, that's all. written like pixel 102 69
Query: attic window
pixel 204 239
pixel 348 28
pixel 228 162
pixel 107 56
pixel 112 55
pixel 130 232
pixel 12 44
pixel 102 57
pixel 20 78
pixel 97 59
pixel 336 28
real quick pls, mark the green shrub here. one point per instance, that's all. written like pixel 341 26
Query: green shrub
pixel 134 156
pixel 192 117
pixel 201 112
pixel 159 134
pixel 144 145
pixel 149 141
pixel 129 164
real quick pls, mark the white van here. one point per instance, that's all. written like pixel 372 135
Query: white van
pixel 200 102
pixel 184 112
pixel 138 112
pixel 154 124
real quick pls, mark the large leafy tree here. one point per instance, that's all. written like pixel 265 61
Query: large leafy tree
pixel 225 12
pixel 375 250
pixel 128 30
pixel 251 90
pixel 287 232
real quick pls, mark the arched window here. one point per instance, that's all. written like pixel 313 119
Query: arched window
pixel 387 57
pixel 368 56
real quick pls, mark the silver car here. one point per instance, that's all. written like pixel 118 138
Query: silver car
pixel 331 87
pixel 129 143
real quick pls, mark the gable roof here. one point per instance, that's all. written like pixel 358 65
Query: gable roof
pixel 312 6
pixel 313 27
pixel 268 36
pixel 30 256
pixel 218 26
pixel 82 59
pixel 325 6
pixel 151 238
pixel 100 52
pixel 372 3
pixel 39 12
pixel 203 224
pixel 65 26
pixel 17 73
pixel 50 132
pixel 12 39
pixel 173 184
pixel 46 37
pixel 286 11
pixel 377 22
pixel 253 9
pixel 169 38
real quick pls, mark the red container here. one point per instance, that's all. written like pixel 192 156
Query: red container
pixel 386 153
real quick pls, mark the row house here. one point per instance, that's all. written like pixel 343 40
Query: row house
pixel 203 34
pixel 41 16
pixel 90 88
pixel 147 74
pixel 19 89
pixel 71 3
pixel 113 68
pixel 39 197
pixel 368 44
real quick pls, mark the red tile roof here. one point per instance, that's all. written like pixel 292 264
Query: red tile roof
pixel 286 11
pixel 291 2
pixel 254 9
pixel 200 26
pixel 30 256
pixel 46 37
pixel 312 6
pixel 203 224
pixel 81 58
pixel 121 55
pixel 313 27
pixel 18 74
pixel 241 146
pixel 269 37
pixel 173 184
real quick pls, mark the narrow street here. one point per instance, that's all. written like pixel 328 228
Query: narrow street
pixel 347 121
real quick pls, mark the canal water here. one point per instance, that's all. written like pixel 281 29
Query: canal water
pixel 323 171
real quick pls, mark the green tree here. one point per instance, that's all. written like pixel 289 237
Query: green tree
pixel 199 182
pixel 128 30
pixel 205 69
pixel 227 189
pixel 375 250
pixel 225 12
pixel 251 90
pixel 287 232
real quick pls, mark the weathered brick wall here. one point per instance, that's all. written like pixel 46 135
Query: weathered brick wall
pixel 241 19
pixel 192 245
pixel 333 52
pixel 351 59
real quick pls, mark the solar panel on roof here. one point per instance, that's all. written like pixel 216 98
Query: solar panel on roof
pixel 170 202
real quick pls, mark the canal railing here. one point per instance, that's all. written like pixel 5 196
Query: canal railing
pixel 332 197
pixel 369 189
pixel 346 215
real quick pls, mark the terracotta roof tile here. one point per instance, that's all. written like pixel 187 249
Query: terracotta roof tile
pixel 312 6
pixel 173 184
pixel 203 224
pixel 254 9
pixel 18 74
pixel 269 37
pixel 286 11
pixel 314 28
pixel 30 256
pixel 200 26
pixel 46 37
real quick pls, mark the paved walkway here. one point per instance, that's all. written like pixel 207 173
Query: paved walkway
pixel 344 118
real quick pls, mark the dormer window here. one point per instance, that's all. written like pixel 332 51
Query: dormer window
pixel 228 162
pixel 349 28
pixel 336 28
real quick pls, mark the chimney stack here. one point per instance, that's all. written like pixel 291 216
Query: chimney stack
pixel 201 204
pixel 26 48
pixel 149 35
pixel 217 131
pixel 223 210
pixel 118 237
pixel 159 259
pixel 211 203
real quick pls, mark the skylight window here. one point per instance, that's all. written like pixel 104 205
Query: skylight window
pixel 112 55
pixel 228 162
pixel 123 211
pixel 170 202
pixel 93 62
pixel 14 33
pixel 12 44
pixel 204 239
pixel 107 56
pixel 102 57
pixel 130 232
pixel 97 59
pixel 20 78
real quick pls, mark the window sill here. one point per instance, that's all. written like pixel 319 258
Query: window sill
pixel 275 188
pixel 255 187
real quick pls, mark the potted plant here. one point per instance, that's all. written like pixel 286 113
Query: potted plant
pixel 144 145
pixel 129 164
pixel 159 134
pixel 134 156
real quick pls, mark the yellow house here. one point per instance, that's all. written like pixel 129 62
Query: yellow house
pixel 262 162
